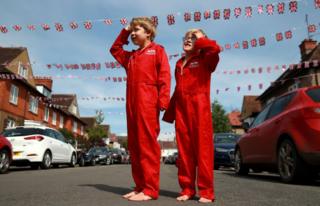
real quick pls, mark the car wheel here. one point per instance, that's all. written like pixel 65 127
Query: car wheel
pixel 81 162
pixel 46 161
pixel 290 165
pixel 4 161
pixel 93 162
pixel 73 160
pixel 239 167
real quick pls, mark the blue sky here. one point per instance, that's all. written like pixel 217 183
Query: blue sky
pixel 83 46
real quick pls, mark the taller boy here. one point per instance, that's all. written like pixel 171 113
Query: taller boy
pixel 148 92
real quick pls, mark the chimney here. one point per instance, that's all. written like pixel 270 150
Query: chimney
pixel 306 47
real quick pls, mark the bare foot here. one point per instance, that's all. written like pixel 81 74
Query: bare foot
pixel 183 198
pixel 204 200
pixel 140 197
pixel 130 194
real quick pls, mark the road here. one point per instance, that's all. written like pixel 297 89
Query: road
pixel 104 185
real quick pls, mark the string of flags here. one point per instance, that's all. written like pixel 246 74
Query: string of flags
pixel 216 14
pixel 252 70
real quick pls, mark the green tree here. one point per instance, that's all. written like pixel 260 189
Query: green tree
pixel 220 119
pixel 99 116
pixel 96 134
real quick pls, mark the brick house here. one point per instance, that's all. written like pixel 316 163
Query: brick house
pixel 234 118
pixel 24 97
pixel 250 108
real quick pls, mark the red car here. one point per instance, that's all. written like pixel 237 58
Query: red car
pixel 284 137
pixel 5 154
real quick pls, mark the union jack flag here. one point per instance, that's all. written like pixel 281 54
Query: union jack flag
pixel 248 11
pixel 207 15
pixel 3 29
pixel 107 21
pixel 31 27
pixel 59 27
pixel 123 21
pixel 45 27
pixel 270 9
pixel 17 27
pixel 260 9
pixel 216 14
pixel 237 12
pixel 170 19
pixel 73 25
pixel 155 20
pixel 87 25
pixel 187 16
pixel 226 14
pixel 281 8
pixel 293 6
pixel 197 16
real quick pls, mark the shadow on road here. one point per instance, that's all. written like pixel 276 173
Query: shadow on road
pixel 121 190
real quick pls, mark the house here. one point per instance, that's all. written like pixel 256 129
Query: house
pixel 234 118
pixel 304 74
pixel 24 97
pixel 250 108
pixel 167 148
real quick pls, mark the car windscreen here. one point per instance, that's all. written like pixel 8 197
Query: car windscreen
pixel 22 132
pixel 225 139
pixel 314 94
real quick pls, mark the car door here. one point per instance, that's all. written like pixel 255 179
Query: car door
pixel 271 129
pixel 64 146
pixel 251 143
pixel 54 145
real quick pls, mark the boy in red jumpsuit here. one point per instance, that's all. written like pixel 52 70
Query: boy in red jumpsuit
pixel 148 92
pixel 191 109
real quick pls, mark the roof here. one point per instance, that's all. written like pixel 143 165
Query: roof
pixel 167 145
pixel 63 99
pixel 250 106
pixel 234 118
pixel 8 54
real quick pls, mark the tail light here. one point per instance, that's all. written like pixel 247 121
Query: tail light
pixel 311 112
pixel 38 138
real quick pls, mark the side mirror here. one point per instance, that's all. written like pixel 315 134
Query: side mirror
pixel 245 126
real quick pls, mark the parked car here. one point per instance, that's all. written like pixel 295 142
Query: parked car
pixel 96 155
pixel 116 155
pixel 171 159
pixel 5 154
pixel 39 146
pixel 284 137
pixel 125 157
pixel 224 144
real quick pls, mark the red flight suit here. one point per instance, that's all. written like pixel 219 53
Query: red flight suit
pixel 148 91
pixel 190 107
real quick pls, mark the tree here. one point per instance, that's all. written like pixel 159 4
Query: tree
pixel 220 119
pixel 96 134
pixel 99 116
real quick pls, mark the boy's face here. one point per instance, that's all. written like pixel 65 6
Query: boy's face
pixel 188 42
pixel 139 35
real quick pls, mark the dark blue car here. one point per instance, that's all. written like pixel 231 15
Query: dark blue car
pixel 224 144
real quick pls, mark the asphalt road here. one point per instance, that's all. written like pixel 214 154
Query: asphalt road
pixel 104 185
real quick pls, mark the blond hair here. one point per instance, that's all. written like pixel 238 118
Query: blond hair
pixel 191 31
pixel 145 23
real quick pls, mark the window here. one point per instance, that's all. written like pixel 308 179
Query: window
pixel 81 130
pixel 59 136
pixel 314 94
pixel 33 105
pixel 23 132
pixel 23 71
pixel 14 93
pixel 61 121
pixel 280 104
pixel 261 116
pixel 54 118
pixel 10 123
pixel 46 114
pixel 75 126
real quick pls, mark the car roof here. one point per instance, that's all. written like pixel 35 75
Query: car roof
pixel 32 127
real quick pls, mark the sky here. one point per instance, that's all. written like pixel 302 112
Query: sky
pixel 88 46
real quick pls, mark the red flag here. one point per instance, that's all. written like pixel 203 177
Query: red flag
pixel 187 16
pixel 207 14
pixel 3 29
pixel 170 19
pixel 293 6
pixel 87 25
pixel 59 27
pixel 73 25
pixel 107 21
pixel 281 8
pixel 237 12
pixel 45 27
pixel 270 9
pixel 216 14
pixel 17 27
pixel 123 21
pixel 260 9
pixel 197 16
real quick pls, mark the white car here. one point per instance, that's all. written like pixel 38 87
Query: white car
pixel 39 146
